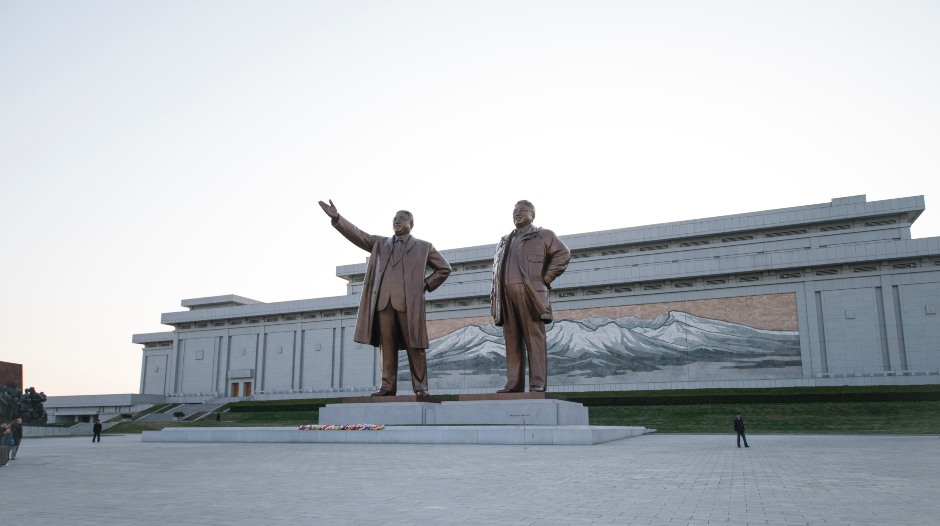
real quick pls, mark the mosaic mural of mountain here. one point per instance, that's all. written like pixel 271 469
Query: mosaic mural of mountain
pixel 590 349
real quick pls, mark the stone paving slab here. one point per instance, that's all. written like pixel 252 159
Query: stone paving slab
pixel 654 479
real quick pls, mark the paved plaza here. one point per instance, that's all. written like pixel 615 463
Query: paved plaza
pixel 655 479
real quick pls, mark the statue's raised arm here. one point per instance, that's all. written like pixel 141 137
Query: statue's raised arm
pixel 330 209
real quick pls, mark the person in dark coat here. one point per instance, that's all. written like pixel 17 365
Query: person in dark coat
pixel 391 307
pixel 17 429
pixel 6 442
pixel 96 431
pixel 739 429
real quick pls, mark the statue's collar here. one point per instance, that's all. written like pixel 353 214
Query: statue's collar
pixel 530 230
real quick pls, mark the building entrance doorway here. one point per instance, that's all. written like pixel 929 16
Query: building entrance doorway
pixel 240 389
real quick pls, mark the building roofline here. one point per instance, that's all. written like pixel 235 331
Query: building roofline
pixel 260 309
pixel 228 300
pixel 153 337
pixel 838 209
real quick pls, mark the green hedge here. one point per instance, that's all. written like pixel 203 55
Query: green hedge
pixel 757 397
pixel 723 396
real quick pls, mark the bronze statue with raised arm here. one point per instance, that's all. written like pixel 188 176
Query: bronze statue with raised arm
pixel 527 260
pixel 391 307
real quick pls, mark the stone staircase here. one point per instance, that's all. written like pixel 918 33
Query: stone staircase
pixel 222 400
pixel 208 408
pixel 163 416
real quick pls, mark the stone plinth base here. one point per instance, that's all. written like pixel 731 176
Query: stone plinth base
pixel 390 399
pixel 387 413
pixel 490 435
pixel 511 396
pixel 540 412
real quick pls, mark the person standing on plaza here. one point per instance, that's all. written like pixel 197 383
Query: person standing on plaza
pixel 527 260
pixel 96 431
pixel 392 313
pixel 17 429
pixel 6 442
pixel 739 429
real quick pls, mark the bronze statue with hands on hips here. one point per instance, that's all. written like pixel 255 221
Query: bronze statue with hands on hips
pixel 527 260
pixel 391 307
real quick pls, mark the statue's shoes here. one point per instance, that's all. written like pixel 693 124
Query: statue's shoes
pixel 507 390
pixel 383 393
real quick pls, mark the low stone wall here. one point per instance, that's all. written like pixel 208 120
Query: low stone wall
pixel 44 431
pixel 82 429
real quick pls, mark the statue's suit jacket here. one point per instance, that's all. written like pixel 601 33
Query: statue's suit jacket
pixel 543 257
pixel 419 255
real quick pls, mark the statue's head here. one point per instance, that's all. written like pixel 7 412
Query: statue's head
pixel 403 223
pixel 523 214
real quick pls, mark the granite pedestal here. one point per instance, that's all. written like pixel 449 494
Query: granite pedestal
pixel 539 412
pixel 524 420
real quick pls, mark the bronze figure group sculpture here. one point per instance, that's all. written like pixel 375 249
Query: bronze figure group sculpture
pixel 391 307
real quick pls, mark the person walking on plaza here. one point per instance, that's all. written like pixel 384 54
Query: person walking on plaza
pixel 527 260
pixel 392 314
pixel 17 429
pixel 96 431
pixel 739 429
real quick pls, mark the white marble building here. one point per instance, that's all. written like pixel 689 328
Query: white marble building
pixel 833 293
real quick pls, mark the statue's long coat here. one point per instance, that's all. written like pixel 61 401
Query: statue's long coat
pixel 543 257
pixel 419 255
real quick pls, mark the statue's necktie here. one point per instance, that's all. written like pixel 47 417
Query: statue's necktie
pixel 397 252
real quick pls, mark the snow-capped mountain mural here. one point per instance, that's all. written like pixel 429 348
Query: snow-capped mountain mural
pixel 592 349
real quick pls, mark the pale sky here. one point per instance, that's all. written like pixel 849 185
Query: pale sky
pixel 156 151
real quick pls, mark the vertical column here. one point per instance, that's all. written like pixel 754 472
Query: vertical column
pixel 899 322
pixel 178 356
pixel 376 368
pixel 342 355
pixel 260 357
pixel 333 380
pixel 143 370
pixel 216 353
pixel 805 312
pixel 224 365
pixel 892 331
pixel 298 359
pixel 169 379
pixel 820 321
pixel 882 328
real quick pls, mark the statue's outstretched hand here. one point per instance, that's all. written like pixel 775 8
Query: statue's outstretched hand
pixel 329 209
